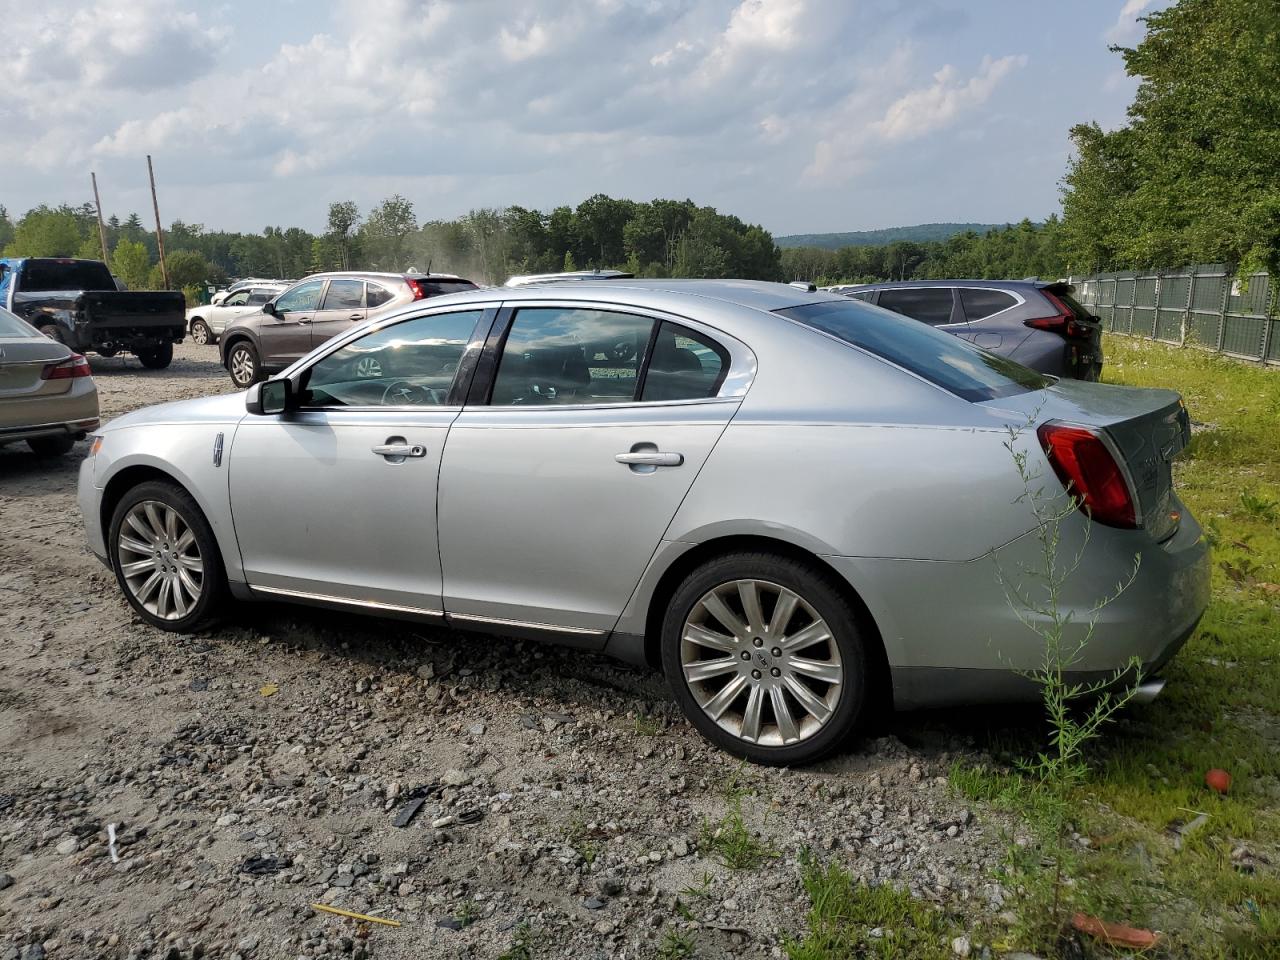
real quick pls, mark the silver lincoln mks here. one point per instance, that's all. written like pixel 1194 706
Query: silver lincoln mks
pixel 799 506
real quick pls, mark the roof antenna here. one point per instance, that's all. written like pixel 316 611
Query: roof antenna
pixel 428 266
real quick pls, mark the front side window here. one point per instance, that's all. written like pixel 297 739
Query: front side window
pixel 983 303
pixel 344 295
pixel 864 295
pixel 932 305
pixel 412 363
pixel 238 299
pixel 685 365
pixel 571 355
pixel 949 362
pixel 305 296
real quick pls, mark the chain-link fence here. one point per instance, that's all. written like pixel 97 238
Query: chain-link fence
pixel 1204 306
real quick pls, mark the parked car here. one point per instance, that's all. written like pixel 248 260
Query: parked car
pixel 1037 323
pixel 239 285
pixel 316 309
pixel 793 502
pixel 207 321
pixel 47 396
pixel 527 279
pixel 78 303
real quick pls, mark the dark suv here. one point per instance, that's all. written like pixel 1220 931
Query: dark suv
pixel 318 308
pixel 1037 323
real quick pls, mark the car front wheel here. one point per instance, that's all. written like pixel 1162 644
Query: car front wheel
pixel 242 364
pixel 765 657
pixel 200 333
pixel 166 558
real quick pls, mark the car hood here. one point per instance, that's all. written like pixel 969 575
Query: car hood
pixel 225 408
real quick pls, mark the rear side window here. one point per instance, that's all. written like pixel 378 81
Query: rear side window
pixel 983 303
pixel 259 296
pixel 685 366
pixel 932 305
pixel 377 295
pixel 344 295
pixel 45 275
pixel 571 355
pixel 938 357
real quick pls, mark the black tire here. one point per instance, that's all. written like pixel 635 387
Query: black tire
pixel 200 332
pixel 51 446
pixel 54 331
pixel 244 357
pixel 209 605
pixel 156 359
pixel 819 591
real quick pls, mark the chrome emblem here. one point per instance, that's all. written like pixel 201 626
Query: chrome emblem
pixel 217 450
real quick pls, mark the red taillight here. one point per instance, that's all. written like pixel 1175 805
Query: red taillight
pixel 418 287
pixel 1090 473
pixel 1063 323
pixel 77 366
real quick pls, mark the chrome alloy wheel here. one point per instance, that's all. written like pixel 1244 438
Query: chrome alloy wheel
pixel 160 560
pixel 761 662
pixel 242 366
pixel 199 333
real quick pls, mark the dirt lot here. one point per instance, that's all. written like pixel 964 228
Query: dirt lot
pixel 566 807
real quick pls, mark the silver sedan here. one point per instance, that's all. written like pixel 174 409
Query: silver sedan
pixel 793 503
pixel 47 395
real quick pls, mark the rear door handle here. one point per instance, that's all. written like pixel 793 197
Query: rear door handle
pixel 356 316
pixel 400 450
pixel 650 458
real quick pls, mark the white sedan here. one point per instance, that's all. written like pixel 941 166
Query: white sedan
pixel 207 321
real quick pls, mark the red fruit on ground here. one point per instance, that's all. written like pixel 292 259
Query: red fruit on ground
pixel 1218 780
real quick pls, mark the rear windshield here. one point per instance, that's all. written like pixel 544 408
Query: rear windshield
pixel 1070 302
pixel 951 363
pixel 42 275
pixel 11 326
pixel 438 288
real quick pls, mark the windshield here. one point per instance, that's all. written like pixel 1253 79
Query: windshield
pixel 11 326
pixel 43 275
pixel 953 364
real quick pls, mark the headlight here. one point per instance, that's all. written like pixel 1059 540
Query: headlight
pixel 95 444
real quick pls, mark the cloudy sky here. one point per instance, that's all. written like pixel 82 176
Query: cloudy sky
pixel 803 115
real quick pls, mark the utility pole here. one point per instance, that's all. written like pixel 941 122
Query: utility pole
pixel 155 204
pixel 97 202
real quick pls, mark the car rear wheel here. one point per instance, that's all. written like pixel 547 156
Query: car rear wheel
pixel 51 446
pixel 242 364
pixel 765 657
pixel 157 359
pixel 165 557
pixel 200 332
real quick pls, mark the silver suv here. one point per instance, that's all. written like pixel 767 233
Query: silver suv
pixel 318 308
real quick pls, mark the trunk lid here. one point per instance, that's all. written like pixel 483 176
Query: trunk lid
pixel 1148 428
pixel 23 359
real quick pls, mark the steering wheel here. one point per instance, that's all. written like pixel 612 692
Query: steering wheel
pixel 622 350
pixel 402 393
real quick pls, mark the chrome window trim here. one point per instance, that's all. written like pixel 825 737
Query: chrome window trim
pixel 346 601
pixel 1018 300
pixel 736 383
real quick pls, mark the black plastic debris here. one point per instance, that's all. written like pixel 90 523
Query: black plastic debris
pixel 471 816
pixel 408 812
pixel 262 866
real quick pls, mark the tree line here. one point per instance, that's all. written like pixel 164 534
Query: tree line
pixel 662 238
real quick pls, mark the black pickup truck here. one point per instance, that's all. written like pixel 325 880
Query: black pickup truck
pixel 79 303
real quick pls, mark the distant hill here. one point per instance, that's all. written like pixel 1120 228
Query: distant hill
pixel 920 233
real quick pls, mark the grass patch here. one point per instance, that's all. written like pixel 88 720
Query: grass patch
pixel 850 918
pixel 677 945
pixel 521 944
pixel 1216 892
pixel 735 846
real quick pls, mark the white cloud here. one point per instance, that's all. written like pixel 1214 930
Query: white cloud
pixel 930 108
pixel 1127 29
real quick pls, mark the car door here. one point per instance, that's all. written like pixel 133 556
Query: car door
pixel 979 303
pixel 336 500
pixel 342 306
pixel 570 459
pixel 221 314
pixel 285 334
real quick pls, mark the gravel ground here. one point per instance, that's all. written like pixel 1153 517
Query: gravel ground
pixel 259 768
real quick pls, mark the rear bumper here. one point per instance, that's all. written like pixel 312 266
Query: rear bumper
pixel 72 413
pixel 952 636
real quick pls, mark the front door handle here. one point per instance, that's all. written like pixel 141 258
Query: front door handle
pixel 304 319
pixel 356 316
pixel 650 458
pixel 400 451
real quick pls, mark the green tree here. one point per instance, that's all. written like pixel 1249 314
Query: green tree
pixel 344 217
pixel 46 232
pixel 131 263
pixel 386 231
pixel 187 269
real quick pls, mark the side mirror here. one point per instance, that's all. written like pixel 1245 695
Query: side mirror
pixel 269 308
pixel 270 397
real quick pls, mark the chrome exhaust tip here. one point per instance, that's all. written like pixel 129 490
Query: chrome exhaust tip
pixel 1148 690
